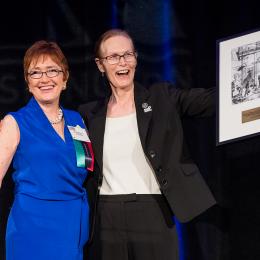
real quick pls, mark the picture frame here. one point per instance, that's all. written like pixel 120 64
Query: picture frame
pixel 238 92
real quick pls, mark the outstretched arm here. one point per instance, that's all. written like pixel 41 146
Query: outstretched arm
pixel 195 102
pixel 9 139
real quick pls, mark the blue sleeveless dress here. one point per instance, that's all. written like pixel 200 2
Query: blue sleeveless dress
pixel 49 216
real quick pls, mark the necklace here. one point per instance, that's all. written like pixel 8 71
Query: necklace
pixel 58 118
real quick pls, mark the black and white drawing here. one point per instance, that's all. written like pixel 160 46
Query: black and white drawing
pixel 245 62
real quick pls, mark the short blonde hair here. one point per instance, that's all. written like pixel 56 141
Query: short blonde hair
pixel 108 34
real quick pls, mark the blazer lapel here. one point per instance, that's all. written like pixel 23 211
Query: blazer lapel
pixel 143 111
pixel 98 121
pixel 97 130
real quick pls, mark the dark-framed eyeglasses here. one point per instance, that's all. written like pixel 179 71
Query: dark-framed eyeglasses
pixel 51 73
pixel 115 58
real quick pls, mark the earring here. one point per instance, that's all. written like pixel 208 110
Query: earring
pixel 64 87
pixel 102 74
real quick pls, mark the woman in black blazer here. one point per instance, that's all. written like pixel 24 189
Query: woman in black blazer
pixel 143 175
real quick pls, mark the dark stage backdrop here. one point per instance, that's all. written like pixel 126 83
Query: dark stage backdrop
pixel 176 41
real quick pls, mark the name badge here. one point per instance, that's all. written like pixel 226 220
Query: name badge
pixel 78 133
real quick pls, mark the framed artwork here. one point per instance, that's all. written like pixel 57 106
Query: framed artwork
pixel 238 76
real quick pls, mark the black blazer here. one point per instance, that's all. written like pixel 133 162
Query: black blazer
pixel 159 110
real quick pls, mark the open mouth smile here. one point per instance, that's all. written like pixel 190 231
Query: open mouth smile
pixel 124 72
pixel 48 87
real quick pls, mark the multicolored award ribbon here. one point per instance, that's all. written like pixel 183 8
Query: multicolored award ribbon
pixel 84 154
pixel 83 147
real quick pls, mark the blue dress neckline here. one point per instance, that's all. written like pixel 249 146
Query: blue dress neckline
pixel 33 104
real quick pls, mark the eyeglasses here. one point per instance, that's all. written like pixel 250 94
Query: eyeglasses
pixel 115 58
pixel 49 73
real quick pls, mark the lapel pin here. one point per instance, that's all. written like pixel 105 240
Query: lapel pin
pixel 146 107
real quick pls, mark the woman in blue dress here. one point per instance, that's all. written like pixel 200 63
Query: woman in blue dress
pixel 51 155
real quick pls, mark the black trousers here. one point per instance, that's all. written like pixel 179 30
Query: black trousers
pixel 134 227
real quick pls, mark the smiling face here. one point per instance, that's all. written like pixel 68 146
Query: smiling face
pixel 120 75
pixel 45 89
